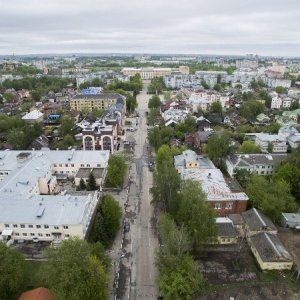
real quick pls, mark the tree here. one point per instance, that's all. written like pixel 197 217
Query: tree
pixel 204 84
pixel 12 270
pixel 91 186
pixel 156 86
pixel 249 147
pixel 242 176
pixel 163 154
pixel 271 197
pixel 116 171
pixel 175 239
pixel 178 277
pixel 67 126
pixel 197 215
pixel 82 185
pixel 76 270
pixel 9 97
pixel 295 105
pixel 155 138
pixel 218 146
pixel 218 87
pixel 270 147
pixel 112 214
pixel 166 183
pixel 279 90
pixel 96 82
pixel 153 116
pixel 36 96
pixel 154 102
pixel 216 107
pixel 250 109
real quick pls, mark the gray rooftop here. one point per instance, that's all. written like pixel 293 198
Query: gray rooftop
pixel 270 248
pixel 256 220
pixel 227 230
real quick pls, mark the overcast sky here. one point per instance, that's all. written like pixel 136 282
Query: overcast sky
pixel 264 27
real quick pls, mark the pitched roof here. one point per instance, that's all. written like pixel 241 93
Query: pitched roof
pixel 40 293
pixel 270 248
pixel 256 220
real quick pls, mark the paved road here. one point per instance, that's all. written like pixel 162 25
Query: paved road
pixel 134 269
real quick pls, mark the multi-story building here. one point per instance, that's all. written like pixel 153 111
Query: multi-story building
pixel 150 72
pixel 34 206
pixel 278 142
pixel 261 164
pixel 225 196
pixel 204 100
pixel 98 101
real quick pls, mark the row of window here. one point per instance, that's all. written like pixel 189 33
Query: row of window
pixel 228 205
pixel 33 234
pixel 72 165
pixel 36 226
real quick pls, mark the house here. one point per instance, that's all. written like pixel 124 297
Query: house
pixel 257 222
pixel 263 118
pixel 189 139
pixel 40 293
pixel 203 124
pixel 53 108
pixel 270 252
pixel 227 232
pixel 279 143
pixel 171 123
pixel 239 222
pixel 291 220
pixel 201 138
pixel 225 196
pixel 34 116
pixel 84 173
pixel 262 164
pixel 41 142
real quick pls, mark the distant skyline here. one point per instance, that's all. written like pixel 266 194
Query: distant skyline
pixel 232 27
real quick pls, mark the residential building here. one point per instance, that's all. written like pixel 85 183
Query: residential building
pixel 98 101
pixel 224 195
pixel 34 206
pixel 263 140
pixel 150 72
pixel 34 116
pixel 276 101
pixel 204 99
pixel 262 164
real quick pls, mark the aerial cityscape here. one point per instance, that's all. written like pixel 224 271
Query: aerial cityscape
pixel 149 150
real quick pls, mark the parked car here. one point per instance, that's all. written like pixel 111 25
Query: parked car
pixel 126 227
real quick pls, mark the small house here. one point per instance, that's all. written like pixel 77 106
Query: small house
pixel 290 220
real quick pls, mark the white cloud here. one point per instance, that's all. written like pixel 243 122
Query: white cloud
pixel 195 26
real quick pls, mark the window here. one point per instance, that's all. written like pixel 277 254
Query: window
pixel 82 165
pixel 60 165
pixel 217 205
pixel 56 227
pixel 61 172
pixel 32 234
pixel 38 226
pixel 30 226
pixel 24 234
pixel 40 234
pixel 67 235
pixel 229 205
pixel 6 225
pixel 66 165
pixel 98 165
pixel 55 165
pixel 22 226
pixel 72 165
pixel 17 234
pixel 88 165
pixel 15 226
pixel 262 172
pixel 46 226
pixel 66 227
pixel 47 235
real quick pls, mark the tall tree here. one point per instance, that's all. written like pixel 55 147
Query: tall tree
pixel 249 147
pixel 91 186
pixel 116 171
pixel 67 126
pixel 197 215
pixel 154 102
pixel 271 197
pixel 216 107
pixel 12 271
pixel 219 146
pixel 76 270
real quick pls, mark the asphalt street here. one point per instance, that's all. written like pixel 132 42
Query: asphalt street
pixel 133 252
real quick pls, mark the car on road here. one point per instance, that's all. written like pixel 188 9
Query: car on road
pixel 126 227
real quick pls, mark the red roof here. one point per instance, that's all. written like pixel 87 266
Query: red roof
pixel 40 293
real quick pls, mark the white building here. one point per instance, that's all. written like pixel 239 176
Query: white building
pixel 33 116
pixel 276 101
pixel 278 142
pixel 33 204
